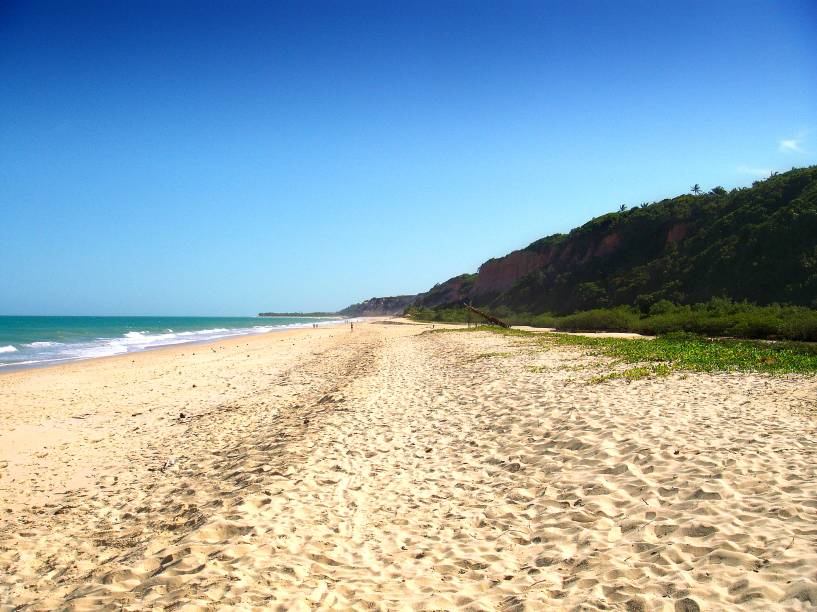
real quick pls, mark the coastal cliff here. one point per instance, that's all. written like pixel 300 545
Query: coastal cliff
pixel 757 243
pixel 379 306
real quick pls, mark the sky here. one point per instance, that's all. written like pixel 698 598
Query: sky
pixel 224 158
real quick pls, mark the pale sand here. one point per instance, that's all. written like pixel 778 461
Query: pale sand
pixel 386 469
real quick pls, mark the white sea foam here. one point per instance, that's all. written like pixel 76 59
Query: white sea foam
pixel 44 353
pixel 107 349
pixel 14 364
pixel 135 334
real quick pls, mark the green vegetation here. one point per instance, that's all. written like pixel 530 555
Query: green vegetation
pixel 497 330
pixel 379 306
pixel 717 317
pixel 442 315
pixel 739 263
pixel 637 373
pixel 693 353
pixel 493 354
pixel 757 244
pixel 682 351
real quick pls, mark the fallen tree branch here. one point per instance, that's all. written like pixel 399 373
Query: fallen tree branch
pixel 488 317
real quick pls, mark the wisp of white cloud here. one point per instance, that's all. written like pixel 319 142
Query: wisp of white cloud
pixel 794 145
pixel 790 144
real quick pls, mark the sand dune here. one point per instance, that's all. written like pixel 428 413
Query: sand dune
pixel 392 470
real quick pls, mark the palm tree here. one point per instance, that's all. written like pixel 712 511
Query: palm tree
pixel 696 189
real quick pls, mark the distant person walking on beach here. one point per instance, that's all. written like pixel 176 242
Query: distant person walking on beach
pixel 351 326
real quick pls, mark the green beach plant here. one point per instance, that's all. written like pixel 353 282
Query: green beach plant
pixel 678 352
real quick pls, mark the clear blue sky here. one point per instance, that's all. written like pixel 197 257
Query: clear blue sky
pixel 228 157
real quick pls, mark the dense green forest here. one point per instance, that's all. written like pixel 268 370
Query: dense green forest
pixel 720 262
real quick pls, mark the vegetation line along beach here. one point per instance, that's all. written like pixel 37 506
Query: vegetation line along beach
pixel 680 351
pixel 739 263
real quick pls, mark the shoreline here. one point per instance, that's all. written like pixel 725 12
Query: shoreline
pixel 14 368
pixel 47 424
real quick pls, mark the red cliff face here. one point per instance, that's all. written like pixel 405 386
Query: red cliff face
pixel 451 291
pixel 567 252
pixel 607 245
pixel 677 233
pixel 501 274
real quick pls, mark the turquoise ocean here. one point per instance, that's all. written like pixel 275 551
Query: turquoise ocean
pixel 39 341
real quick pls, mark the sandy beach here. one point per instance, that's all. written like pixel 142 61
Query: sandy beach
pixel 392 469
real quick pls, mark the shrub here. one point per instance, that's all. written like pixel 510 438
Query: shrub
pixel 618 319
pixel 717 318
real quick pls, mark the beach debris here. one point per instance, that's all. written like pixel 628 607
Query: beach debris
pixel 488 317
pixel 171 462
pixel 512 603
